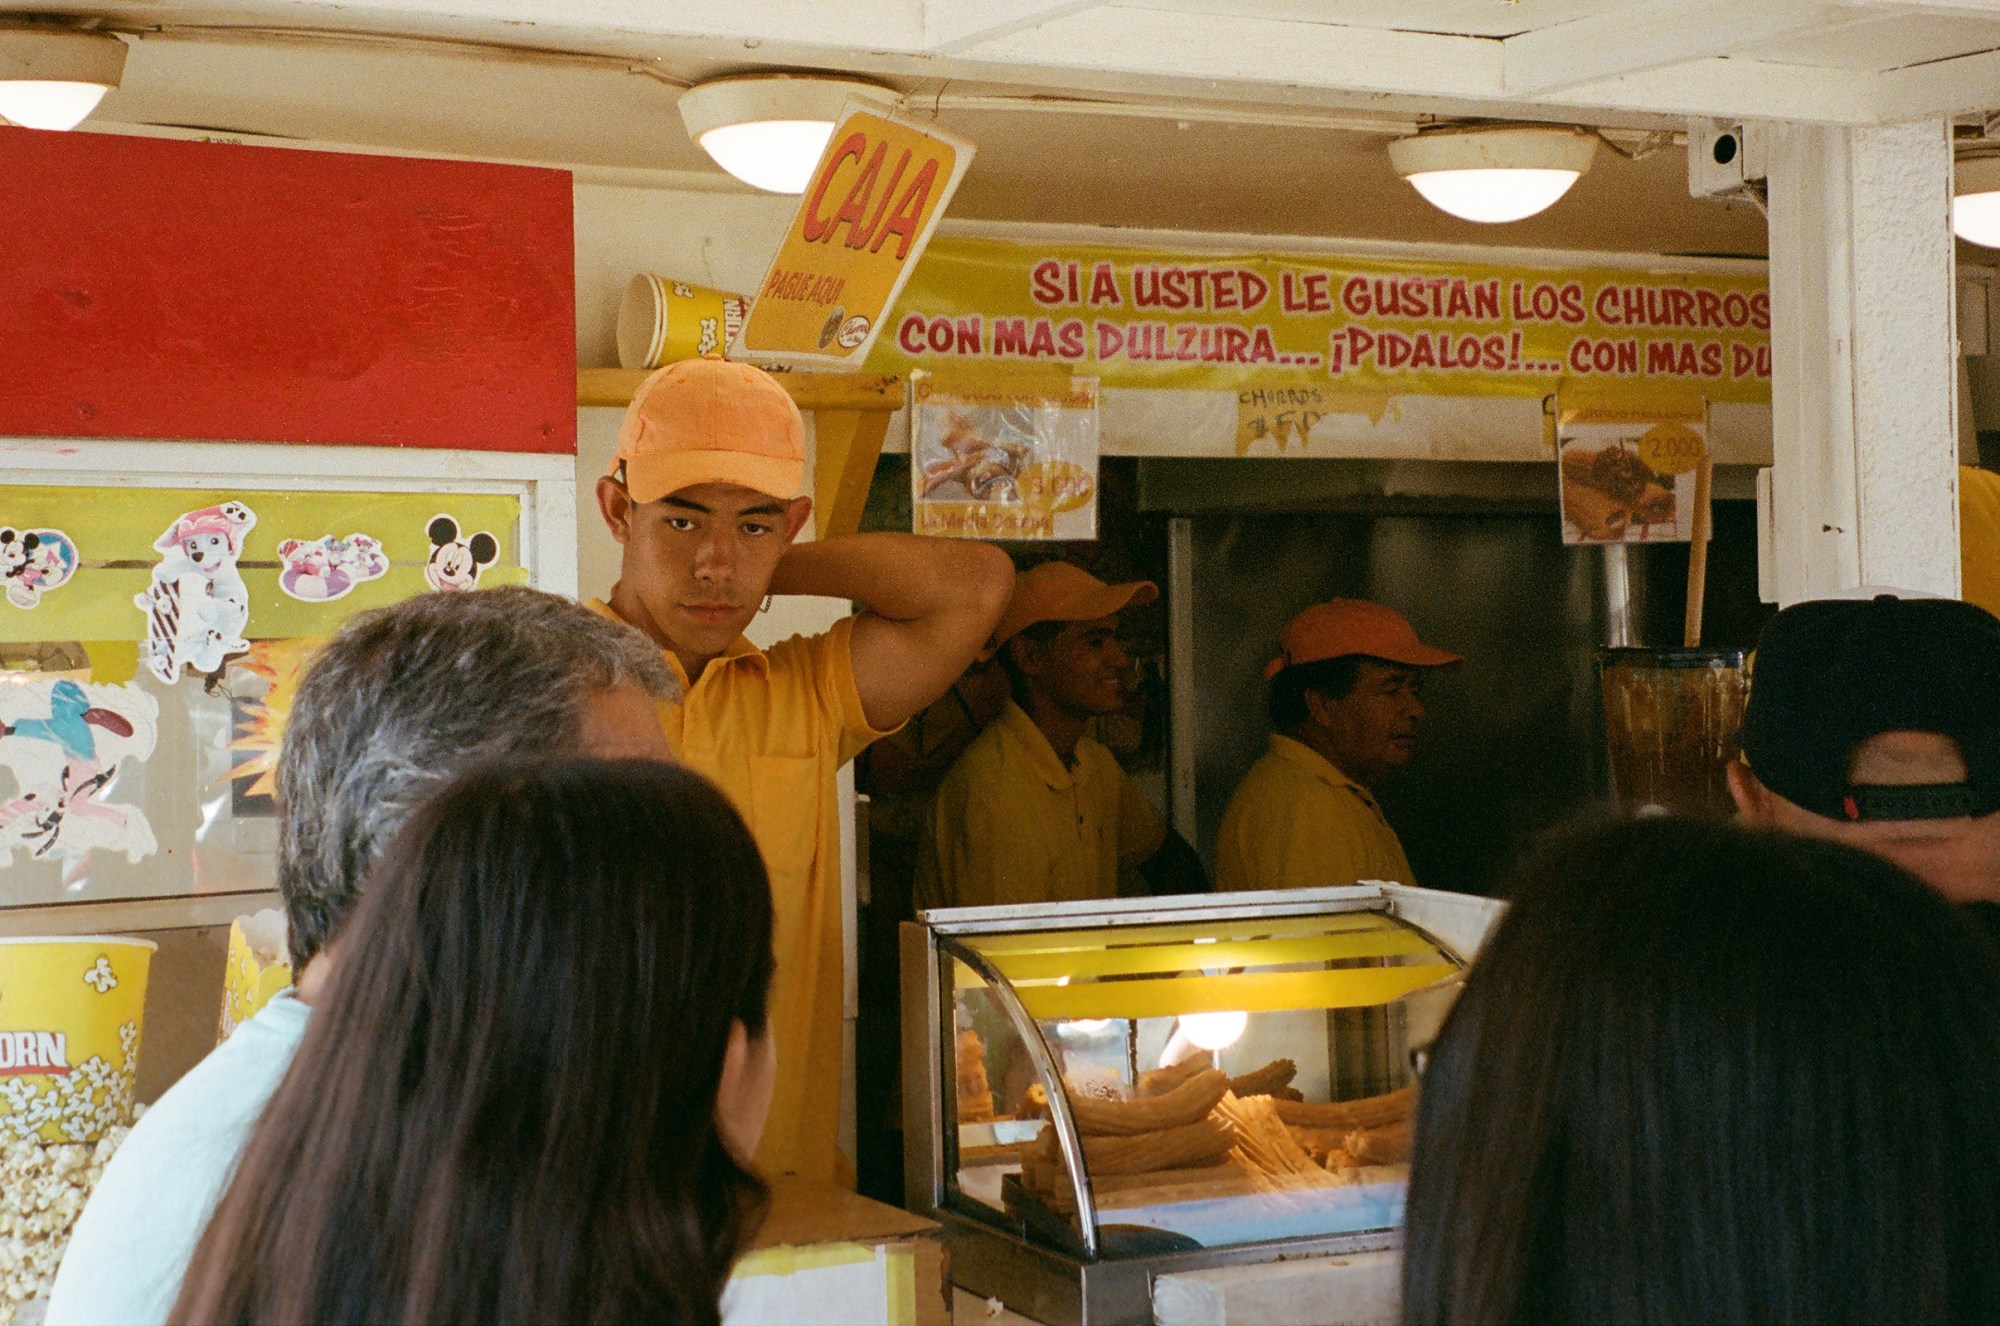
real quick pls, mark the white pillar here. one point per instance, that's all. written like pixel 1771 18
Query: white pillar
pixel 1864 396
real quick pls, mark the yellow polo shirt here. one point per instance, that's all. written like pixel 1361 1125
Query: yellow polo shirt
pixel 1013 823
pixel 771 730
pixel 1296 822
pixel 1979 537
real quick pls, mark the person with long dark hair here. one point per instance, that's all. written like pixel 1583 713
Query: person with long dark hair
pixel 533 1085
pixel 400 701
pixel 1705 1073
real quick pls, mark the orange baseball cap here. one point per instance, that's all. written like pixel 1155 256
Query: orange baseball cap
pixel 1342 627
pixel 709 420
pixel 1059 592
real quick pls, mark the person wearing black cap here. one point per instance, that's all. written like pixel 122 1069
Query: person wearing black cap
pixel 1876 722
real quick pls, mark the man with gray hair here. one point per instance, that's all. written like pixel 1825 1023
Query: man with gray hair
pixel 403 698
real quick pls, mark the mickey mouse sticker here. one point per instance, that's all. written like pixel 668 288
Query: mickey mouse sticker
pixel 33 562
pixel 456 564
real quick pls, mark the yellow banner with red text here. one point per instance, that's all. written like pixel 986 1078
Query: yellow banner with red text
pixel 1345 330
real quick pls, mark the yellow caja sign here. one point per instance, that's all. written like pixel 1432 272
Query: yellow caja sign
pixel 861 225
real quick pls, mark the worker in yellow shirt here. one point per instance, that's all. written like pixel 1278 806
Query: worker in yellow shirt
pixel 706 497
pixel 1344 712
pixel 1979 537
pixel 1035 811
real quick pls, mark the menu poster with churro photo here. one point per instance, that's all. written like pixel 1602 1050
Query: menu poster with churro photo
pixel 1629 481
pixel 1010 460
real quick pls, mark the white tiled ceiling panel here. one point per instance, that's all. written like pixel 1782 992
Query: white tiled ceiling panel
pixel 1465 18
pixel 1884 42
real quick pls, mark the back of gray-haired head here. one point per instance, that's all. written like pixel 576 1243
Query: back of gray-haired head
pixel 403 698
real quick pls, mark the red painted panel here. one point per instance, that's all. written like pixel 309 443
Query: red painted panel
pixel 153 288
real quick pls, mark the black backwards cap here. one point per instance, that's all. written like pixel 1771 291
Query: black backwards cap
pixel 1830 674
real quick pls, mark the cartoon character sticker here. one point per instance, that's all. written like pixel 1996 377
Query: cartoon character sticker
pixel 197 604
pixel 35 561
pixel 328 568
pixel 455 563
pixel 62 740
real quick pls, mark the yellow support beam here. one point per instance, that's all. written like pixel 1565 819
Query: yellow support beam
pixel 850 420
pixel 613 387
pixel 1247 927
pixel 1247 992
pixel 847 445
pixel 1096 964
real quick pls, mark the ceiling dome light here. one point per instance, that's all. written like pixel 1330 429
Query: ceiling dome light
pixel 1975 206
pixel 1493 174
pixel 53 78
pixel 769 130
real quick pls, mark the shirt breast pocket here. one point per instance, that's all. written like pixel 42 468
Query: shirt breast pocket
pixel 784 815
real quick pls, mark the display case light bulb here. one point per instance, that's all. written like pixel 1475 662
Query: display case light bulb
pixel 1214 1031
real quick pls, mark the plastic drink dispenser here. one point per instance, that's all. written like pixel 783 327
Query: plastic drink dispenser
pixel 1670 722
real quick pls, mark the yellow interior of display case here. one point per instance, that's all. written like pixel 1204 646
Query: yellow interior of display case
pixel 1167 970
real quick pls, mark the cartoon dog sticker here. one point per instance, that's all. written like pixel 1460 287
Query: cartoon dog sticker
pixel 35 561
pixel 197 605
pixel 456 564
pixel 328 568
pixel 62 741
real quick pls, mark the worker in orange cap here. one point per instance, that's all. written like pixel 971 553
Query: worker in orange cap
pixel 1344 712
pixel 1035 811
pixel 707 495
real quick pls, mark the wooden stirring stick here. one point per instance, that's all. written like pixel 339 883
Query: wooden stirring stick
pixel 1704 477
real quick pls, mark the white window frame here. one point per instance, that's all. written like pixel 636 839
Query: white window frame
pixel 545 485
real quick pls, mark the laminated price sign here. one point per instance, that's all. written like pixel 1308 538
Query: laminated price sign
pixel 1628 475
pixel 862 223
pixel 1004 461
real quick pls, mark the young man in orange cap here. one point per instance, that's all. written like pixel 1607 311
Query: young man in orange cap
pixel 1344 712
pixel 1035 811
pixel 707 495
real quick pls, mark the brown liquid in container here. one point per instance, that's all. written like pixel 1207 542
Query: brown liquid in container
pixel 1670 721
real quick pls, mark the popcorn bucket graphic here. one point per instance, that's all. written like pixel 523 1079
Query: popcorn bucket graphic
pixel 70 1010
pixel 661 321
pixel 255 968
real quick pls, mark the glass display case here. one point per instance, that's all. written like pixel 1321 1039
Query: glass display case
pixel 1102 1092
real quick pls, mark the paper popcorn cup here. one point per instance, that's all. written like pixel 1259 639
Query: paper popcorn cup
pixel 663 322
pixel 70 1012
pixel 255 969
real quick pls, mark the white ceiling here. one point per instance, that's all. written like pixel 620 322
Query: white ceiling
pixel 1290 174
pixel 1784 59
pixel 1258 116
pixel 1465 18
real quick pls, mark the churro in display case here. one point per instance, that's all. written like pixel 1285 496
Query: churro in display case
pixel 1115 1086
